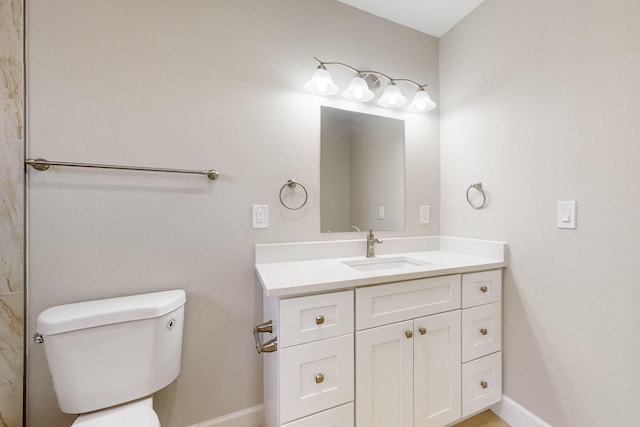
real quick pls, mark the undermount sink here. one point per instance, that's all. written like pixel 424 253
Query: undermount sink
pixel 377 264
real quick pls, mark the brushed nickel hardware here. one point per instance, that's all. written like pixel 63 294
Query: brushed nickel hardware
pixel 479 189
pixel 319 320
pixel 269 346
pixel 409 334
pixel 422 331
pixel 43 165
pixel 484 384
pixel 483 331
pixel 37 338
pixel 371 241
pixel 292 183
pixel 484 289
pixel 319 378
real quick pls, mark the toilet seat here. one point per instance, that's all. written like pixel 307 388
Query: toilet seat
pixel 136 414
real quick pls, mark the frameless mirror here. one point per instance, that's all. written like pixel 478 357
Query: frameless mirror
pixel 361 172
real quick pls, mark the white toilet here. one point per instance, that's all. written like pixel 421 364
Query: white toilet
pixel 107 357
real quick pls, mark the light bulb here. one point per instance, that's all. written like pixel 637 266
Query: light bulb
pixel 392 97
pixel 421 102
pixel 321 83
pixel 358 91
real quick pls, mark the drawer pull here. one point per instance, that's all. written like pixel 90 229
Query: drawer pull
pixel 408 334
pixel 319 320
pixel 483 331
pixel 422 331
pixel 484 384
pixel 319 378
pixel 484 289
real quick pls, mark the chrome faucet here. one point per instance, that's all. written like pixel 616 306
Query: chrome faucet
pixel 371 241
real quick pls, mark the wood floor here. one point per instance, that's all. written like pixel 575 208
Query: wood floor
pixel 483 419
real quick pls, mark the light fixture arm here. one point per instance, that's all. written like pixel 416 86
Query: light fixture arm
pixel 365 72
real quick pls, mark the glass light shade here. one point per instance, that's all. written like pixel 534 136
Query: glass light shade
pixel 421 102
pixel 392 97
pixel 321 83
pixel 358 91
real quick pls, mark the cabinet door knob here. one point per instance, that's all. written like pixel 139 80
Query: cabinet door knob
pixel 484 384
pixel 423 331
pixel 409 334
pixel 484 289
pixel 319 320
pixel 319 378
pixel 483 331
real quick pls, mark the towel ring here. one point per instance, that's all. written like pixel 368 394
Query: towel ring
pixel 292 183
pixel 478 187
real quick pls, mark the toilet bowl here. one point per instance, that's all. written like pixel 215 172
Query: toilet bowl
pixel 136 414
pixel 107 357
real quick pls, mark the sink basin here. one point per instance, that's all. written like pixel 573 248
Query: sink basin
pixel 378 264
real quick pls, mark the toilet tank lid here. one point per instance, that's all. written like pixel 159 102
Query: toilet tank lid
pixel 88 314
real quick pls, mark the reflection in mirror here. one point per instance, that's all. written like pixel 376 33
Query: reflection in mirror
pixel 361 172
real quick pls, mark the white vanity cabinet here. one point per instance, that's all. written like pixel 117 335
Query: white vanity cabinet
pixel 308 381
pixel 426 353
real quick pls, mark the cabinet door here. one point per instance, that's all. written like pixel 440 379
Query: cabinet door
pixel 437 394
pixel 384 376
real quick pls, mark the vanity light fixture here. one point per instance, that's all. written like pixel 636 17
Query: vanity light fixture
pixel 360 88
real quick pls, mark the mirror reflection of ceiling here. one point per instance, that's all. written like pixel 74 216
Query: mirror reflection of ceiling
pixel 433 17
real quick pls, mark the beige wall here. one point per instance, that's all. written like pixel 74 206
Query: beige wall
pixel 540 102
pixel 11 213
pixel 192 84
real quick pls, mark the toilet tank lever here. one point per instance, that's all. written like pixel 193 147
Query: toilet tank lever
pixel 38 338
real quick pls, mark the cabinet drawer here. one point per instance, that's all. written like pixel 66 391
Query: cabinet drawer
pixel 481 383
pixel 342 416
pixel 481 288
pixel 481 331
pixel 395 302
pixel 316 317
pixel 315 377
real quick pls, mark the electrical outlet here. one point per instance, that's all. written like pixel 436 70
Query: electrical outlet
pixel 424 215
pixel 260 216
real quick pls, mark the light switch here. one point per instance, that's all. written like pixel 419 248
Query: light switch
pixel 567 214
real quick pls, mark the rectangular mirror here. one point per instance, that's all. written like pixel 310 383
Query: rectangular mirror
pixel 361 172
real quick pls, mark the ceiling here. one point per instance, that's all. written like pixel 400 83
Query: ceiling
pixel 433 17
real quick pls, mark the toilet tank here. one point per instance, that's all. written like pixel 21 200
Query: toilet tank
pixel 106 352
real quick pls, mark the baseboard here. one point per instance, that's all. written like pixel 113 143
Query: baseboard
pixel 250 417
pixel 517 415
pixel 509 410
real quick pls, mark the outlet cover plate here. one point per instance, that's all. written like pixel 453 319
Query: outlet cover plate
pixel 260 216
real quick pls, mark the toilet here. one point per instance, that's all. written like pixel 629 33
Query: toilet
pixel 107 357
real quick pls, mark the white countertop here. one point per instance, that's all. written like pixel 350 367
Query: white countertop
pixel 306 275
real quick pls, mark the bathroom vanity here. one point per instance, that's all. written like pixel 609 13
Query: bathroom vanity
pixel 409 338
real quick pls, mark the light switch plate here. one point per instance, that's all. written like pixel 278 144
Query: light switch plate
pixel 567 214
